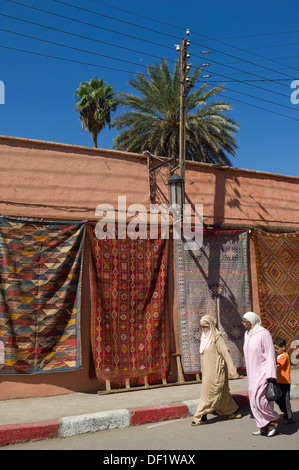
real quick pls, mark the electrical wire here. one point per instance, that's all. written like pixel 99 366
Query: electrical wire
pixel 255 97
pixel 110 68
pixel 118 32
pixel 83 37
pixel 130 72
pixel 257 35
pixel 155 31
pixel 118 59
pixel 260 107
pixel 64 59
pixel 212 39
pixel 90 24
pixel 199 34
pixel 72 47
pixel 115 45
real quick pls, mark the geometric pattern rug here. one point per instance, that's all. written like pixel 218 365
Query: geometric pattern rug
pixel 213 280
pixel 129 320
pixel 278 279
pixel 40 295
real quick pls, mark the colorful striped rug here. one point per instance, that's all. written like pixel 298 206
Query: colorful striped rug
pixel 40 292
pixel 129 322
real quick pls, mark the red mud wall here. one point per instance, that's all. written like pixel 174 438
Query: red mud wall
pixel 63 182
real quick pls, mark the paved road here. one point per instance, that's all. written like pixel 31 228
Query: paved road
pixel 172 435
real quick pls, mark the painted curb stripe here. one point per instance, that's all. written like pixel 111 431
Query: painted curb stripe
pixel 19 433
pixel 92 422
pixel 154 414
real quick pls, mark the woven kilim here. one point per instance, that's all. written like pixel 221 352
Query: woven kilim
pixel 40 291
pixel 212 281
pixel 278 278
pixel 129 324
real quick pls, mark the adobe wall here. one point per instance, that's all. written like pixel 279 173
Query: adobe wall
pixel 63 182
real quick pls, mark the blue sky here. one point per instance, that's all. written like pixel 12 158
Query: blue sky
pixel 253 49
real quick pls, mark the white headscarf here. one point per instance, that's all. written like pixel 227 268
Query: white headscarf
pixel 209 335
pixel 254 319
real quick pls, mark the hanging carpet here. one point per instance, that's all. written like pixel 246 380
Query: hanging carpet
pixel 213 280
pixel 278 279
pixel 129 323
pixel 40 292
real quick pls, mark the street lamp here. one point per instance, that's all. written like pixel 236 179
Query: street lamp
pixel 176 190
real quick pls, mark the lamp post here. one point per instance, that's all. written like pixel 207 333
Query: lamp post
pixel 176 191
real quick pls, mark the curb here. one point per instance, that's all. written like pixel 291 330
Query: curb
pixel 101 421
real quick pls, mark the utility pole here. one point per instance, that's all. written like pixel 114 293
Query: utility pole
pixel 183 80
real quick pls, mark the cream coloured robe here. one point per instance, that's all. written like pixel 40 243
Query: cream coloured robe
pixel 216 365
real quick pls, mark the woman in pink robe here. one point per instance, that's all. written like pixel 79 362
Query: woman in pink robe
pixel 261 366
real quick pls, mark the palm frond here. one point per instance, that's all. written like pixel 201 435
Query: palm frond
pixel 151 121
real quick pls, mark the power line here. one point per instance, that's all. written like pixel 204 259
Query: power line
pixel 250 84
pixel 268 47
pixel 244 50
pixel 122 47
pixel 64 59
pixel 114 45
pixel 177 27
pixel 159 32
pixel 249 81
pixel 199 34
pixel 114 18
pixel 133 37
pixel 125 71
pixel 90 24
pixel 82 37
pixel 82 50
pixel 260 34
pixel 255 97
pixel 72 47
pixel 260 107
pixel 103 55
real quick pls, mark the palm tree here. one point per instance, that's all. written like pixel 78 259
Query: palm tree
pixel 152 120
pixel 95 103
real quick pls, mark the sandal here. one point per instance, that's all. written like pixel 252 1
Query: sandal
pixel 234 416
pixel 272 430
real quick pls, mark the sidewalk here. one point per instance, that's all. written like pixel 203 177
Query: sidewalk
pixel 31 419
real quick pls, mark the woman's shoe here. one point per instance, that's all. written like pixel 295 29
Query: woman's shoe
pixel 235 415
pixel 272 430
pixel 259 432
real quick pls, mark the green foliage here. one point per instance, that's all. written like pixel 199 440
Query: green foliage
pixel 151 121
pixel 95 102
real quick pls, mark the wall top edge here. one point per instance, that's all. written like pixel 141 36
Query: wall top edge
pixel 22 141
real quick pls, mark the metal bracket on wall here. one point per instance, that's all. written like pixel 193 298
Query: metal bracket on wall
pixel 153 170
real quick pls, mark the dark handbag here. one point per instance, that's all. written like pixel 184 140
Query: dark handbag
pixel 273 391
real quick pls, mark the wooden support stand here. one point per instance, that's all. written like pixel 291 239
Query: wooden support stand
pixel 146 386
